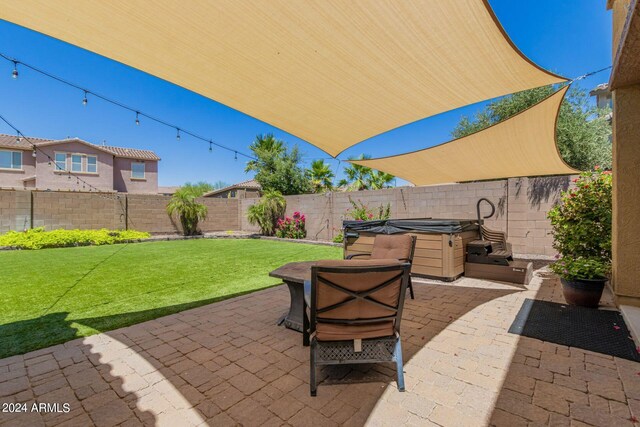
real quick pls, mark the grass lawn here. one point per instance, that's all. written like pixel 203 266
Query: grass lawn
pixel 50 296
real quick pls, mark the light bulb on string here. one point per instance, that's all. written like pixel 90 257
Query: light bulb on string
pixel 34 153
pixel 210 146
pixel 14 73
pixel 85 100
pixel 178 134
pixel 235 157
pixel 137 119
pixel 49 162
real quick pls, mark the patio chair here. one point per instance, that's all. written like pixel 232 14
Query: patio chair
pixel 392 246
pixel 355 308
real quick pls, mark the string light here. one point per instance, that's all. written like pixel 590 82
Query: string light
pixel 210 146
pixel 236 156
pixel 179 129
pixel 34 153
pixel 14 73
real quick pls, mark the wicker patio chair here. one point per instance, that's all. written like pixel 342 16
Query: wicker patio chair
pixel 392 246
pixel 355 308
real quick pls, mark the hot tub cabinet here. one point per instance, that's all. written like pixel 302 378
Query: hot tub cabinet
pixel 440 243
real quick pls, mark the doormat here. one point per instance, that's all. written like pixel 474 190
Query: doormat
pixel 601 331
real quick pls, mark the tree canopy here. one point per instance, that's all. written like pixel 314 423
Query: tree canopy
pixel 583 130
pixel 358 177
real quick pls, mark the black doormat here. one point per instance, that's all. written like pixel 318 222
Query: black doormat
pixel 601 331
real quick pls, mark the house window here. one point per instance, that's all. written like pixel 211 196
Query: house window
pixel 137 170
pixel 76 163
pixel 10 159
pixel 61 161
pixel 92 164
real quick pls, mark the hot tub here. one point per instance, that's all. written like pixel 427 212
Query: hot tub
pixel 440 243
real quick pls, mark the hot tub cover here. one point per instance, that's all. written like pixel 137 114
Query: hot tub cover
pixel 426 225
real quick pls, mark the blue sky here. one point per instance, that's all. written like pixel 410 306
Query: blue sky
pixel 569 37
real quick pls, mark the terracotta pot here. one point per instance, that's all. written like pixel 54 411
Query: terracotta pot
pixel 583 292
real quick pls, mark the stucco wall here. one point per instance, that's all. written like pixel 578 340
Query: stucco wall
pixel 51 178
pixel 123 182
pixel 13 178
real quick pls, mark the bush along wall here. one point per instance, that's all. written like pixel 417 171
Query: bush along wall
pixel 38 238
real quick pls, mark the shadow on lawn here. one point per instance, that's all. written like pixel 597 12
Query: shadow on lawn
pixel 55 328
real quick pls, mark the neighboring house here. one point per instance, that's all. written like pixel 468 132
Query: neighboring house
pixel 603 96
pixel 168 191
pixel 107 168
pixel 243 190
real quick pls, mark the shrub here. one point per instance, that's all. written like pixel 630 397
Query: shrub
pixel 361 212
pixel 339 238
pixel 190 212
pixel 581 268
pixel 267 211
pixel 292 228
pixel 581 227
pixel 37 238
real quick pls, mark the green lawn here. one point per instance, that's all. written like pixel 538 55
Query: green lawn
pixel 51 296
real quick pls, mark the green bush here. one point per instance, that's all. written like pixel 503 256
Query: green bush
pixel 581 227
pixel 292 228
pixel 361 212
pixel 339 238
pixel 267 211
pixel 37 238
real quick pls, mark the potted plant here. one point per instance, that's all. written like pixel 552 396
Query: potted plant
pixel 582 279
pixel 581 228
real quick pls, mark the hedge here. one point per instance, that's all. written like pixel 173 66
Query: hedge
pixel 38 238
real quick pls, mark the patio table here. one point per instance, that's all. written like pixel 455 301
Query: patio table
pixel 293 275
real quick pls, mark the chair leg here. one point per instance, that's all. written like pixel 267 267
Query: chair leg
pixel 305 327
pixel 399 365
pixel 411 288
pixel 312 371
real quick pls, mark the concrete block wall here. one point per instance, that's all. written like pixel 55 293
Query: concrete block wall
pixel 70 210
pixel 521 208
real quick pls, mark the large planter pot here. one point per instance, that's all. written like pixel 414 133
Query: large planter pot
pixel 583 292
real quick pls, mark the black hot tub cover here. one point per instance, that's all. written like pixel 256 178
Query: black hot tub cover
pixel 427 225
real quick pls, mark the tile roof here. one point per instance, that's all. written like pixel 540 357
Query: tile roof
pixel 250 184
pixel 11 141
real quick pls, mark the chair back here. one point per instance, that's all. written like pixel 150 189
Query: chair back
pixel 497 238
pixel 394 246
pixel 357 299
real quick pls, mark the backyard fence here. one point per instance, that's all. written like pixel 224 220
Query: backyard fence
pixel 521 209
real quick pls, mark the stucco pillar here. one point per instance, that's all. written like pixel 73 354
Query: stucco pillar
pixel 626 195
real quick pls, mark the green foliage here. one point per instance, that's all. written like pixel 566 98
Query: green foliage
pixel 321 176
pixel 56 295
pixel 581 223
pixel 185 205
pixel 220 184
pixel 583 131
pixel 292 228
pixel 267 211
pixel 198 188
pixel 339 238
pixel 276 167
pixel 361 212
pixel 360 177
pixel 37 238
pixel 581 268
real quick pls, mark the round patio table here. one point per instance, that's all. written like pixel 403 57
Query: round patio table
pixel 294 275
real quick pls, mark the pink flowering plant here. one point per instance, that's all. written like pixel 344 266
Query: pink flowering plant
pixel 292 227
pixel 581 227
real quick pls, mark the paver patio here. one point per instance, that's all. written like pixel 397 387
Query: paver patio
pixel 228 364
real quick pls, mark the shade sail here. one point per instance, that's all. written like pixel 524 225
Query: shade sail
pixel 522 145
pixel 332 72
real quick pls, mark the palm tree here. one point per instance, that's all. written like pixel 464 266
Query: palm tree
pixel 267 211
pixel 189 210
pixel 265 145
pixel 321 176
pixel 379 180
pixel 357 175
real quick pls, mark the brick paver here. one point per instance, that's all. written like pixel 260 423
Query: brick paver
pixel 229 364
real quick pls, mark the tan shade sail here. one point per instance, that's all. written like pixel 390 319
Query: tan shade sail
pixel 523 145
pixel 332 72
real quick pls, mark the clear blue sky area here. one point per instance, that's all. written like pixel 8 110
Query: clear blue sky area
pixel 569 37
